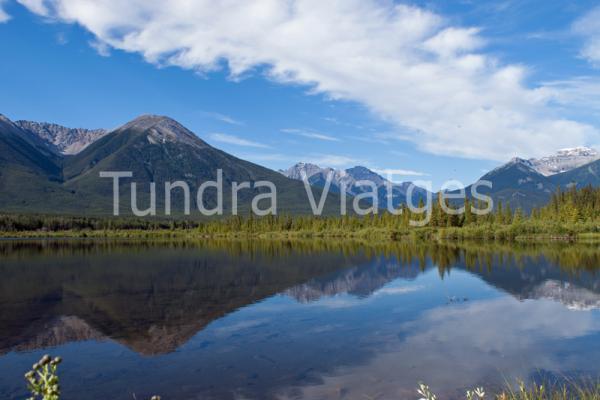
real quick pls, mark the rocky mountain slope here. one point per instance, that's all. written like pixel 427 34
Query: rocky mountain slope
pixel 564 160
pixel 585 175
pixel 349 179
pixel 519 183
pixel 60 139
pixel 155 149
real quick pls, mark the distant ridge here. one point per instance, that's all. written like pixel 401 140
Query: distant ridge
pixel 60 139
pixel 564 160
pixel 520 184
pixel 348 178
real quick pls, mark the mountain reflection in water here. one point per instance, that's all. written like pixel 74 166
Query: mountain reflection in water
pixel 302 319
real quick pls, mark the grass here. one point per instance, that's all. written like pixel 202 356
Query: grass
pixel 524 392
pixel 382 234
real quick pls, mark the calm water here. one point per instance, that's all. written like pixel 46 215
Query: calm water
pixel 295 320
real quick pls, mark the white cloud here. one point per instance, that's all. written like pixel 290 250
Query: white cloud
pixel 62 38
pixel 580 94
pixel 333 160
pixel 235 140
pixel 406 64
pixel 388 173
pixel 222 117
pixel 3 14
pixel 258 158
pixel 588 26
pixel 36 6
pixel 101 48
pixel 310 134
pixel 336 121
pixel 452 41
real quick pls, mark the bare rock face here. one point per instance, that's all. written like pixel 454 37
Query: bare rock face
pixel 564 160
pixel 352 180
pixel 347 178
pixel 164 129
pixel 296 171
pixel 60 139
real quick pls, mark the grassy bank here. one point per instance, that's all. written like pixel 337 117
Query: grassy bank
pixel 492 232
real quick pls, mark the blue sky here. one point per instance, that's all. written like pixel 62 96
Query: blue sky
pixel 435 90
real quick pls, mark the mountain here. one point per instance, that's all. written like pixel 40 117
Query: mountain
pixel 588 174
pixel 29 175
pixel 530 183
pixel 564 160
pixel 517 184
pixel 520 183
pixel 19 151
pixel 48 168
pixel 349 178
pixel 155 149
pixel 59 139
pixel 312 171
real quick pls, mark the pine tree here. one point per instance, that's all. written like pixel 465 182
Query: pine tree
pixel 508 215
pixel 499 215
pixel 468 217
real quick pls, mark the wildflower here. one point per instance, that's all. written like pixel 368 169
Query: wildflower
pixel 44 385
pixel 479 392
pixel 45 360
pixel 425 392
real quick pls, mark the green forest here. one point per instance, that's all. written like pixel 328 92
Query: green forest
pixel 569 214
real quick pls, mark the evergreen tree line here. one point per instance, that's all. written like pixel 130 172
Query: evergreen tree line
pixel 566 208
pixel 51 223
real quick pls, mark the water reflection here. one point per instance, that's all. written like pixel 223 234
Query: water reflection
pixel 295 319
pixel 483 343
pixel 150 297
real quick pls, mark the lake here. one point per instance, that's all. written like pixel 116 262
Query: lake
pixel 294 320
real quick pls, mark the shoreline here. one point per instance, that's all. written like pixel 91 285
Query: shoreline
pixel 388 235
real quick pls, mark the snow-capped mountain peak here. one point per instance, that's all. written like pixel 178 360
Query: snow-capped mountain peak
pixel 577 151
pixel 564 160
